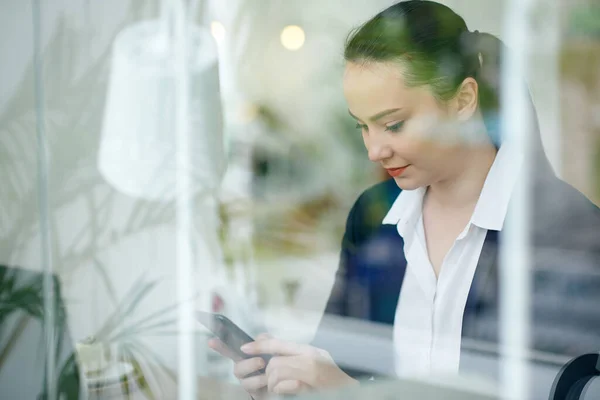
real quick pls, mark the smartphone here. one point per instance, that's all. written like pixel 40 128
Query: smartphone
pixel 230 334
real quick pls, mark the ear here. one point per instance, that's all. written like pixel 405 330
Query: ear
pixel 466 99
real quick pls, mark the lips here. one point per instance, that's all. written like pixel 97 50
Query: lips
pixel 395 172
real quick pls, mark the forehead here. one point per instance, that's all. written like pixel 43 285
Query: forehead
pixel 357 75
pixel 374 87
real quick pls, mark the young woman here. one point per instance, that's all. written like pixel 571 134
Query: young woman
pixel 419 250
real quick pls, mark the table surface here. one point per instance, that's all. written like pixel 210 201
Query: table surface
pixel 162 386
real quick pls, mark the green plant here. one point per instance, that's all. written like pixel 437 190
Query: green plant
pixel 125 333
pixel 25 298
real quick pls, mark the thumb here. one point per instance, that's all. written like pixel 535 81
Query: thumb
pixel 222 349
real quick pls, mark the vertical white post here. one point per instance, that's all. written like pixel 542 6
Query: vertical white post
pixel 43 166
pixel 554 123
pixel 184 207
pixel 515 279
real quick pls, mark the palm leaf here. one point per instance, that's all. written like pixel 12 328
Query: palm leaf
pixel 13 337
pixel 27 299
pixel 69 381
pixel 126 307
pixel 105 279
pixel 147 361
pixel 135 331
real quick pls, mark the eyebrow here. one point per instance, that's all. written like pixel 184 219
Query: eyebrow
pixel 377 116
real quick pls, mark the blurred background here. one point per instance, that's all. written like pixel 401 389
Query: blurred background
pixel 276 156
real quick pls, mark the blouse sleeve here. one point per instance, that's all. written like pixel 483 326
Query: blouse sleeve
pixel 343 295
pixel 337 303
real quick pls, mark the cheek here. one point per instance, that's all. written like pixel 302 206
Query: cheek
pixel 412 149
pixel 365 138
pixel 427 127
pixel 423 154
pixel 423 141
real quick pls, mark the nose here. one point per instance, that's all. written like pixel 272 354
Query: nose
pixel 378 150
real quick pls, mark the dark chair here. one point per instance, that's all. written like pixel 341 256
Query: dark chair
pixel 575 378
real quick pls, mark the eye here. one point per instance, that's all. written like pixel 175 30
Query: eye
pixel 395 128
pixel 361 126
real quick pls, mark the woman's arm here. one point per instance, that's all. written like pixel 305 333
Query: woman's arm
pixel 350 296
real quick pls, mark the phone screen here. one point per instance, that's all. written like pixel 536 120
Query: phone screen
pixel 228 332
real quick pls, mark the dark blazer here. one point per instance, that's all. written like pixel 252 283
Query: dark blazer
pixel 566 270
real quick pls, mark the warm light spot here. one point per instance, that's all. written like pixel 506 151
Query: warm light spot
pixel 248 113
pixel 218 31
pixel 292 37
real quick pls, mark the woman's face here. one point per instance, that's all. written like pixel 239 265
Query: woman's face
pixel 404 129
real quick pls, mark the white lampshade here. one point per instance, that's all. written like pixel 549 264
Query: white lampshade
pixel 137 150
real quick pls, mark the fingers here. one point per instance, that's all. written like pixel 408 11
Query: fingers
pixel 254 383
pixel 243 368
pixel 222 349
pixel 290 368
pixel 276 346
pixel 279 375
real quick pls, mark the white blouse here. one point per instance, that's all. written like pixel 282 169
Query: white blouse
pixel 428 321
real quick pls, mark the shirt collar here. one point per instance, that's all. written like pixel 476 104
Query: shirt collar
pixel 406 210
pixel 492 206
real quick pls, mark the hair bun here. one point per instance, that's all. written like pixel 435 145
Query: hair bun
pixel 473 38
pixel 476 36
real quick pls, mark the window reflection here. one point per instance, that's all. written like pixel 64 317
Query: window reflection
pixel 265 234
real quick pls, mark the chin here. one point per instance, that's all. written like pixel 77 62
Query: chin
pixel 407 184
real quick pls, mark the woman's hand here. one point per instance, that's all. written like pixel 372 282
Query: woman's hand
pixel 296 368
pixel 256 386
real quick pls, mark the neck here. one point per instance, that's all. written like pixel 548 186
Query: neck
pixel 463 188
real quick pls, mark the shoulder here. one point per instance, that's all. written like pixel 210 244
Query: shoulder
pixel 382 193
pixel 372 205
pixel 565 217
